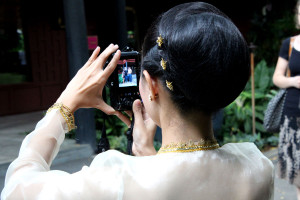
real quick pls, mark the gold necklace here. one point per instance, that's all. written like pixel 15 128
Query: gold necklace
pixel 191 146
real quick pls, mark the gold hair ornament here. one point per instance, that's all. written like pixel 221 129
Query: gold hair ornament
pixel 160 40
pixel 163 64
pixel 169 85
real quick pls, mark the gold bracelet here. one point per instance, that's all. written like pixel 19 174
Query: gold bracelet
pixel 66 114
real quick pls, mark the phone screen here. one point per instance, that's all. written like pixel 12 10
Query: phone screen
pixel 127 73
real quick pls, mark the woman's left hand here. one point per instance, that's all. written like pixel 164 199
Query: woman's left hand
pixel 143 131
pixel 85 89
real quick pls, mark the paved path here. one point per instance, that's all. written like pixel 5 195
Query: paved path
pixel 282 189
pixel 13 130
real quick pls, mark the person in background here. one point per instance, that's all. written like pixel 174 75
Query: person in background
pixel 129 74
pixel 289 136
pixel 194 62
pixel 125 71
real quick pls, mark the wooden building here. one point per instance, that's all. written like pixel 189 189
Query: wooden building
pixel 34 65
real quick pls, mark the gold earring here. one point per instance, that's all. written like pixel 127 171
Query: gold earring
pixel 150 98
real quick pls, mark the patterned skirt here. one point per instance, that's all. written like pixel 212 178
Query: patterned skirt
pixel 289 150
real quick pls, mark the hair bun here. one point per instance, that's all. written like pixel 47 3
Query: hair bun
pixel 200 56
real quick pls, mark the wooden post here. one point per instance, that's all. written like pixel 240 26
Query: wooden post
pixel 120 6
pixel 76 36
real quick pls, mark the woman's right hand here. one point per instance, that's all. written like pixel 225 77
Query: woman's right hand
pixel 85 89
pixel 143 131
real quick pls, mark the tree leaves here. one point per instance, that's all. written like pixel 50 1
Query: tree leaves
pixel 238 115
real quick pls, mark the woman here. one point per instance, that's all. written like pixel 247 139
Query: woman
pixel 194 62
pixel 289 143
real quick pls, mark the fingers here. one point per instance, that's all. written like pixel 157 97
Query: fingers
pixel 123 118
pixel 129 113
pixel 93 57
pixel 110 111
pixel 105 108
pixel 100 61
pixel 112 64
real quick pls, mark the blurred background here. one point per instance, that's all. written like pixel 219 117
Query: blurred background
pixel 44 43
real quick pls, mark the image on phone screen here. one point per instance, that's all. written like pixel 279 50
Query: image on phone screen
pixel 127 73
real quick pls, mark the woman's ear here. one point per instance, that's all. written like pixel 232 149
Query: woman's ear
pixel 152 84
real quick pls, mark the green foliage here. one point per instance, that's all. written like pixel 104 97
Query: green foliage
pixel 118 142
pixel 237 124
pixel 269 26
pixel 114 126
pixel 11 78
pixel 268 29
pixel 115 131
pixel 272 140
pixel 257 139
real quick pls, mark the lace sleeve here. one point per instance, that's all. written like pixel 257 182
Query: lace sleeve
pixel 37 152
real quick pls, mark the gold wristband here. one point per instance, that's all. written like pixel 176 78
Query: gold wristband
pixel 66 114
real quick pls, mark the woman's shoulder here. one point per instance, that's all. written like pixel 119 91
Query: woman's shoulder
pixel 249 157
pixel 247 148
pixel 246 155
pixel 253 169
pixel 284 49
pixel 286 40
pixel 109 156
pixel 247 152
pixel 241 145
pixel 285 43
pixel 118 159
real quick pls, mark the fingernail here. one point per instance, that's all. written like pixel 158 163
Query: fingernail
pixel 117 46
pixel 138 104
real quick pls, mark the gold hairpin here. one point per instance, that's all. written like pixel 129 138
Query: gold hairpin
pixel 160 40
pixel 163 64
pixel 169 85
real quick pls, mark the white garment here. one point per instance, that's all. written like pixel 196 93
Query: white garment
pixel 232 172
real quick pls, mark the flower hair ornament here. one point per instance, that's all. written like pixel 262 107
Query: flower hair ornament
pixel 163 63
pixel 160 40
pixel 169 85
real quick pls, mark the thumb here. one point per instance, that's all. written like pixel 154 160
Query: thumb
pixel 137 111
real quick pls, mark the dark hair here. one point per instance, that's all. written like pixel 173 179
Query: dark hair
pixel 207 57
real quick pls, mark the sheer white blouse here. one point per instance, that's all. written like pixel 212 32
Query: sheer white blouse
pixel 232 172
